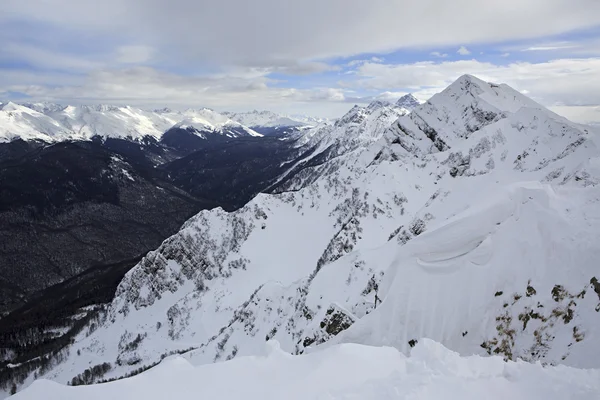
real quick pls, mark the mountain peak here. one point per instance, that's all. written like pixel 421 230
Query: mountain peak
pixel 468 105
pixel 10 106
pixel 408 101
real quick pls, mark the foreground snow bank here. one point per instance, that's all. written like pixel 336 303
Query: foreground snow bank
pixel 347 371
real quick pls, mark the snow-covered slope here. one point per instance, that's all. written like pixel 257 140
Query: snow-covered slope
pixel 408 102
pixel 266 119
pixel 52 122
pixel 343 372
pixel 273 124
pixel 358 128
pixel 112 121
pixel 473 220
pixel 463 108
pixel 18 121
pixel 205 121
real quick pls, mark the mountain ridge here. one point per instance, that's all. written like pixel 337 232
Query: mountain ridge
pixel 477 230
pixel 53 122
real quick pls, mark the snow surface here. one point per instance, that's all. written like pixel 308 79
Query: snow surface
pixel 53 122
pixel 17 121
pixel 342 372
pixel 474 221
pixel 269 119
pixel 205 119
pixel 408 102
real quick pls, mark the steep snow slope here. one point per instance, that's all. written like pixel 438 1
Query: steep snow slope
pixel 343 372
pixel 463 108
pixel 358 128
pixel 487 245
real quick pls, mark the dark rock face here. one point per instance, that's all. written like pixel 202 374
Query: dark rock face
pixel 336 320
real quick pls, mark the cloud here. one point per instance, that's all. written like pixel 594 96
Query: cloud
pixel 392 97
pixel 581 114
pixel 548 48
pixel 577 46
pixel 303 68
pixel 134 54
pixel 149 87
pixel 463 51
pixel 554 82
pixel 438 54
pixel 39 57
pixel 237 53
pixel 271 32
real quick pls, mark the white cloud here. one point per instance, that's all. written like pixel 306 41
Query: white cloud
pixel 566 81
pixel 261 32
pixel 438 54
pixel 505 55
pixel 463 51
pixel 39 57
pixel 550 47
pixel 581 114
pixel 134 54
pixel 228 48
pixel 580 47
pixel 148 87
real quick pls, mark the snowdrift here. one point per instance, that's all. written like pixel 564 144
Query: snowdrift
pixel 513 276
pixel 345 371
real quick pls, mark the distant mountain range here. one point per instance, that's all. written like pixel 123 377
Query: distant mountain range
pixel 53 122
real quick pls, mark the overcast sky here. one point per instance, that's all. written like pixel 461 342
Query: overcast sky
pixel 296 56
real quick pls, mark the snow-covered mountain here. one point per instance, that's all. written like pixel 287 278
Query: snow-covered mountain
pixel 408 101
pixel 474 221
pixel 53 122
pixel 18 121
pixel 113 121
pixel 205 121
pixel 356 129
pixel 273 124
pixel 265 119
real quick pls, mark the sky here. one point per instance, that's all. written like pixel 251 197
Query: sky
pixel 316 57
